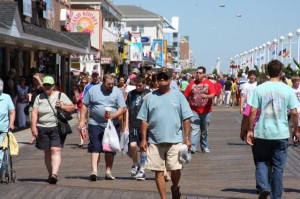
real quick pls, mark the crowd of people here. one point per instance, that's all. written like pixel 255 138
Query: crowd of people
pixel 142 104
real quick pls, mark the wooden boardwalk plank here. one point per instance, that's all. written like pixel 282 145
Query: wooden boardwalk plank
pixel 226 172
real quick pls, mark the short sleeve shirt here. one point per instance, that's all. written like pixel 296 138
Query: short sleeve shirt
pixel 6 105
pixel 134 102
pixel 273 99
pixel 164 113
pixel 97 99
pixel 194 91
pixel 46 117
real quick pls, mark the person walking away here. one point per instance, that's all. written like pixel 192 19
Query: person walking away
pixel 22 101
pixel 77 99
pixel 296 88
pixel 44 125
pixel 218 88
pixel 98 98
pixel 233 92
pixel 227 91
pixel 247 89
pixel 36 89
pixel 163 142
pixel 7 111
pixel 200 94
pixel 183 84
pixel 271 136
pixel 134 102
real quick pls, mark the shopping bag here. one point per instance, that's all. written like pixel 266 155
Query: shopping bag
pixel 110 141
pixel 124 140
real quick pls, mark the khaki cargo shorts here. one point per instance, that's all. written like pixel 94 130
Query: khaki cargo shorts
pixel 165 155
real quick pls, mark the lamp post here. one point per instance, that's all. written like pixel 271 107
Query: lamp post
pixel 281 39
pixel 259 54
pixel 298 34
pixel 255 50
pixel 275 42
pixel 268 45
pixel 250 58
pixel 264 48
pixel 241 60
pixel 290 37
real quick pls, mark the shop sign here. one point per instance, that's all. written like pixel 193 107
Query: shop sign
pixel 106 61
pixel 87 21
pixel 145 39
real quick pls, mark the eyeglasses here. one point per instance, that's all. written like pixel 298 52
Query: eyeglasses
pixel 199 73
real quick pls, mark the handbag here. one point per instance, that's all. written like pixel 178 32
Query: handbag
pixel 26 109
pixel 62 115
pixel 64 127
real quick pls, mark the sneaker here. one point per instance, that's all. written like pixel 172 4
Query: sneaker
pixel 206 150
pixel 108 176
pixel 93 177
pixel 140 176
pixel 133 172
pixel 263 194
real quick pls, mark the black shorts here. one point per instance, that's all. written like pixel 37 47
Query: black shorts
pixel 49 137
pixel 135 136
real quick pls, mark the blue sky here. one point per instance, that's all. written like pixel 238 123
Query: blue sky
pixel 216 31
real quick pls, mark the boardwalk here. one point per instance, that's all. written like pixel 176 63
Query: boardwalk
pixel 226 172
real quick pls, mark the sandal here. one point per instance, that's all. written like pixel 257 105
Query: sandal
pixel 53 179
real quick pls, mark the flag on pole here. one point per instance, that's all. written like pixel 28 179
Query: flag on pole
pixel 272 47
pixel 285 53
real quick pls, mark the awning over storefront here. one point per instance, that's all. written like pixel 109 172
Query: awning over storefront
pixel 17 33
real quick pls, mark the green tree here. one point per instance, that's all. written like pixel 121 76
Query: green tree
pixel 215 72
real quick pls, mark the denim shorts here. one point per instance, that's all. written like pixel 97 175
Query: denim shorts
pixel 96 133
pixel 135 136
pixel 49 137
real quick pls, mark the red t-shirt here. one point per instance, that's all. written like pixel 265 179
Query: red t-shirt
pixel 194 91
pixel 218 88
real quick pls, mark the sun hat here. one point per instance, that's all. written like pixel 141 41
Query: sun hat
pixel 48 80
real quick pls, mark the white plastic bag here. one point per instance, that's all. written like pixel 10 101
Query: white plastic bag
pixel 110 141
pixel 124 140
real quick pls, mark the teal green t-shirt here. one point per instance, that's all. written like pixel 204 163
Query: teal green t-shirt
pixel 183 85
pixel 164 114
pixel 273 99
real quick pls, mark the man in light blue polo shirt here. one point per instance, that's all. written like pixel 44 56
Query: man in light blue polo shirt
pixel 7 111
pixel 162 115
pixel 96 99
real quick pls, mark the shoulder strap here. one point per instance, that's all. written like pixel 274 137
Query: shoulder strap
pixel 59 95
pixel 52 106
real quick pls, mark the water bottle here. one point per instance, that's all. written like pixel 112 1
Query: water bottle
pixel 143 158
